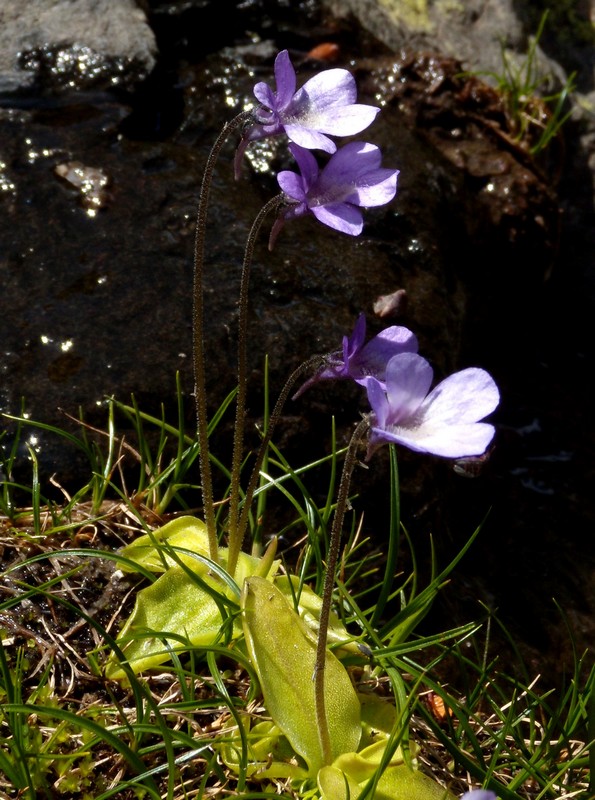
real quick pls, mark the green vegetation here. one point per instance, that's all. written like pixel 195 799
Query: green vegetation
pixel 145 653
pixel 195 726
pixel 535 115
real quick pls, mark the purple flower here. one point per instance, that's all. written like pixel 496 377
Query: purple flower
pixel 445 422
pixel 324 106
pixel 479 794
pixel 352 179
pixel 359 361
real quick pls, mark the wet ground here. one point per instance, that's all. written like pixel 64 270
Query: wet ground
pixel 491 246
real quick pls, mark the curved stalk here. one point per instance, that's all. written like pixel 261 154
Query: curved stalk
pixel 235 535
pixel 200 395
pixel 329 582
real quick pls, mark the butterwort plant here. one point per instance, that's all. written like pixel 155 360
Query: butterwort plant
pixel 335 193
pixel 446 421
pixel 309 118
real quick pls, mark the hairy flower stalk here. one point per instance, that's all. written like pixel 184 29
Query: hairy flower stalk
pixel 329 583
pixel 235 531
pixel 311 363
pixel 198 335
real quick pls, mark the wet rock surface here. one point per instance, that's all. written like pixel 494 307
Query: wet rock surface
pixel 82 44
pixel 98 196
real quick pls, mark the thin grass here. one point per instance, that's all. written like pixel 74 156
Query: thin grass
pixel 66 730
pixel 535 115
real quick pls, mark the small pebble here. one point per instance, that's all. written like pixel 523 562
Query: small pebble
pixel 391 305
pixel 91 182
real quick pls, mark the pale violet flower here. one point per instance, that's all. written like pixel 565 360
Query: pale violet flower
pixel 479 794
pixel 351 180
pixel 324 106
pixel 360 360
pixel 444 422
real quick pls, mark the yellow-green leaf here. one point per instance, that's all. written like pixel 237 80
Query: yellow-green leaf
pixel 334 784
pixel 403 783
pixel 309 610
pixel 396 783
pixel 153 550
pixel 283 651
pixel 176 603
pixel 186 532
pixel 379 717
pixel 173 604
pixel 268 752
pixel 362 766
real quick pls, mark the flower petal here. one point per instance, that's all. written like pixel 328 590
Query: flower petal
pixel 378 402
pixel 292 185
pixel 351 162
pixel 408 379
pixel 454 441
pixel 375 355
pixel 340 216
pixel 395 336
pixel 307 165
pixel 308 138
pixel 346 121
pixel 332 87
pixel 353 344
pixel 265 95
pixel 285 79
pixel 375 188
pixel 466 396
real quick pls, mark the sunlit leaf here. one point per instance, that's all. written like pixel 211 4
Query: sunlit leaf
pixel 269 753
pixel 154 550
pixel 176 604
pixel 403 783
pixel 185 606
pixel 334 784
pixel 379 716
pixel 395 783
pixel 309 605
pixel 283 650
